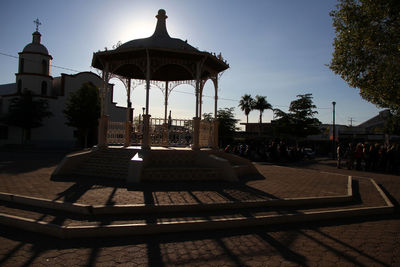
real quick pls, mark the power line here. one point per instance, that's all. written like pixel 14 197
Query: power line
pixel 52 65
pixel 4 54
pixel 219 98
pixel 234 100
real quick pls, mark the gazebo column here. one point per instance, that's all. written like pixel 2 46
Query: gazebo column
pixel 146 117
pixel 215 122
pixel 196 119
pixel 128 123
pixel 103 120
pixel 202 83
pixel 165 124
pixel 146 132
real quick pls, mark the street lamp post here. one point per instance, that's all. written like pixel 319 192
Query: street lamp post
pixel 333 131
pixel 142 127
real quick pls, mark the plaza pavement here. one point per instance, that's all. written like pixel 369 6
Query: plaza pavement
pixel 367 241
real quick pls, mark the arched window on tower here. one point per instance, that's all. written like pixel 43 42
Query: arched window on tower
pixel 21 65
pixel 19 86
pixel 44 88
pixel 44 67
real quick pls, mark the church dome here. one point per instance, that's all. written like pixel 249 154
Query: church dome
pixel 36 46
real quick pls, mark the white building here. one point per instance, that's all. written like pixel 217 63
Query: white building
pixel 34 74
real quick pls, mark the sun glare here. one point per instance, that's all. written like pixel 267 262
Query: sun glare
pixel 141 26
pixel 135 29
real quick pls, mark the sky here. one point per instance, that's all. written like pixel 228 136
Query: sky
pixel 275 48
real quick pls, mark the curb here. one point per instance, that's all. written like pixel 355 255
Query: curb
pixel 152 208
pixel 69 232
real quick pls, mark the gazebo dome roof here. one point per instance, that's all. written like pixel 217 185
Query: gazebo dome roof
pixel 36 46
pixel 171 58
pixel 159 39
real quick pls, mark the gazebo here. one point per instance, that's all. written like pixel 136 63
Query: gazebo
pixel 161 59
pixel 158 59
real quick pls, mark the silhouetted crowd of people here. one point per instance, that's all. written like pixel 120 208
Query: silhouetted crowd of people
pixel 369 157
pixel 366 156
pixel 273 151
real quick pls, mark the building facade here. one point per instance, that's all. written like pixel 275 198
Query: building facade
pixel 34 74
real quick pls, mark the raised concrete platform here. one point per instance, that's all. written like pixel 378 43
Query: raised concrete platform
pixel 134 165
pixel 74 220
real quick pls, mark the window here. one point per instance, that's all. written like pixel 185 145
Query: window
pixel 44 88
pixel 19 86
pixel 21 65
pixel 3 132
pixel 44 67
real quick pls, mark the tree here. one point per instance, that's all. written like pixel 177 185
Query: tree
pixel 27 113
pixel 246 104
pixel 261 104
pixel 367 49
pixel 392 124
pixel 208 117
pixel 82 110
pixel 283 125
pixel 227 125
pixel 299 121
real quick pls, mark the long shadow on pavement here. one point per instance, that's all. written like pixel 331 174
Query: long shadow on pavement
pixel 154 244
pixel 16 162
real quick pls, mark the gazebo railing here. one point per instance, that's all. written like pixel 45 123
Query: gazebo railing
pixel 178 132
pixel 116 133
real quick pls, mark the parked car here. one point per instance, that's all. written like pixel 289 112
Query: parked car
pixel 309 153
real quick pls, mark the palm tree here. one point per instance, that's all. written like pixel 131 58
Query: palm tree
pixel 246 104
pixel 261 104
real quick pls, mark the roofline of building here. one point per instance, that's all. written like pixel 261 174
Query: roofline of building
pixel 35 53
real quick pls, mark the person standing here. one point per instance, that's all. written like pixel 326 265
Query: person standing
pixel 350 156
pixel 339 156
pixel 367 156
pixel 358 155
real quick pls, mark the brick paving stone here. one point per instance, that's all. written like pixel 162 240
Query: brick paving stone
pixel 352 242
pixel 36 183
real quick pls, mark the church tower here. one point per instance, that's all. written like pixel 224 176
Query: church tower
pixel 34 67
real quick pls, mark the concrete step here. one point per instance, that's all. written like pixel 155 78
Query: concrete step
pixel 180 174
pixel 181 165
pixel 168 158
pixel 55 217
pixel 108 163
pixel 68 223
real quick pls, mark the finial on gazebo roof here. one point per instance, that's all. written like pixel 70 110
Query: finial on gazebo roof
pixel 161 14
pixel 161 28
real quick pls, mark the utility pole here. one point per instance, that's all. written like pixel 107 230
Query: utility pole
pixel 351 120
pixel 333 131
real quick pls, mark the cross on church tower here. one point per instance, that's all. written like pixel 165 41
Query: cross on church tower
pixel 37 22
